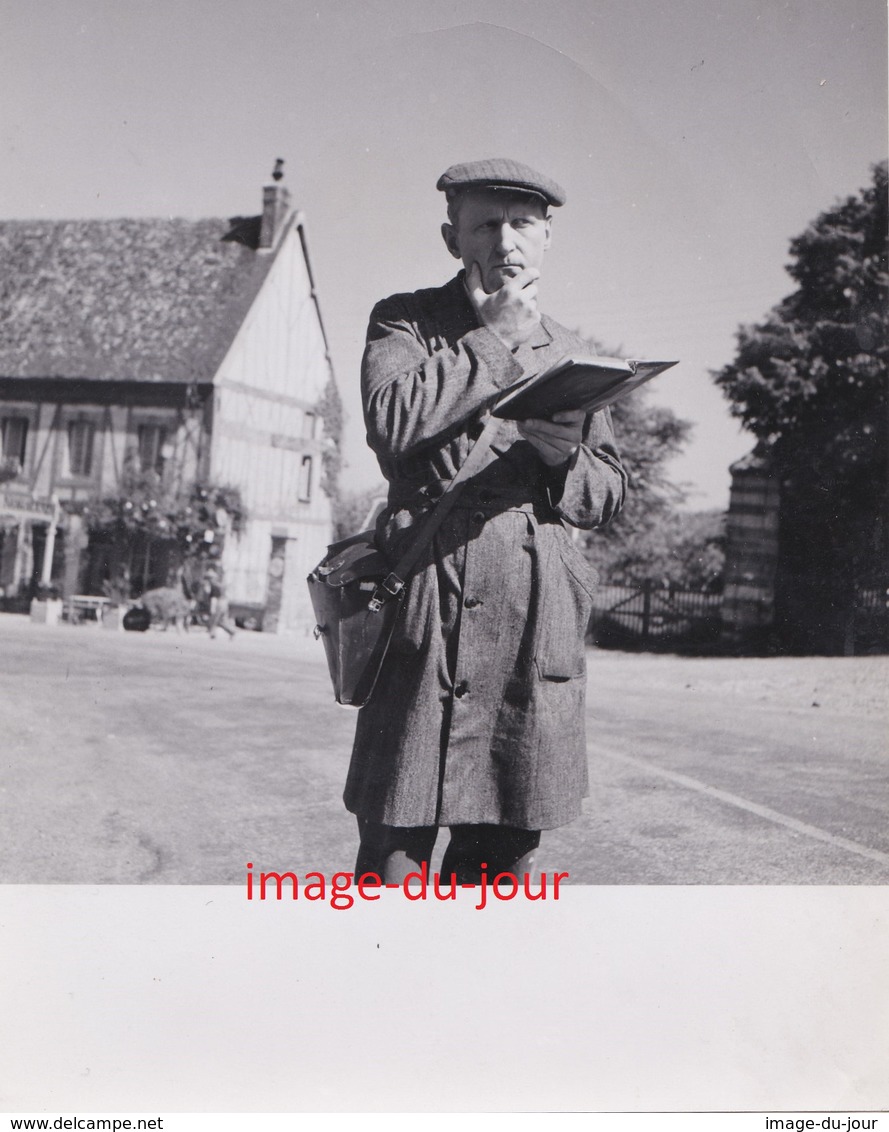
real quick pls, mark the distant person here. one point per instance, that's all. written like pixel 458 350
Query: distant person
pixel 217 602
pixel 477 721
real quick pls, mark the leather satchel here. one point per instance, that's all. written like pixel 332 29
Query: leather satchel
pixel 355 614
pixel 357 597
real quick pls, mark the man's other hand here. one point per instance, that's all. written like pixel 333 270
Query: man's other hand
pixel 511 311
pixel 556 440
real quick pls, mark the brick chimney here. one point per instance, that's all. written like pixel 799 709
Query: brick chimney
pixel 275 207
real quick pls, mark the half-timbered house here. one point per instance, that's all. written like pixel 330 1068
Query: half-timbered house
pixel 193 348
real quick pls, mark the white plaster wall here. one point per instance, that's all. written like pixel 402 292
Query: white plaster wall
pixel 246 563
pixel 270 381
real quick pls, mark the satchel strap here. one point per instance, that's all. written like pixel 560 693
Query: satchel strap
pixel 394 583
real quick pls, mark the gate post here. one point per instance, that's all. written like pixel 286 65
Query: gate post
pixel 647 587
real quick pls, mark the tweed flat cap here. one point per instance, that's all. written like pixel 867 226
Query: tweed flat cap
pixel 500 173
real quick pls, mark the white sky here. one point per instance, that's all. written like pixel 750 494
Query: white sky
pixel 694 139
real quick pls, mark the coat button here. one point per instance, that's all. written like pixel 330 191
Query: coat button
pixel 478 516
pixel 471 602
pixel 461 689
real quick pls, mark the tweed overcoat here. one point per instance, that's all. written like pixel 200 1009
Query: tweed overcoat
pixel 478 715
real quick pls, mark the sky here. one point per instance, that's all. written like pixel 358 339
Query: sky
pixel 694 140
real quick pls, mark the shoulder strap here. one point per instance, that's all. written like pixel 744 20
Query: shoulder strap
pixel 394 583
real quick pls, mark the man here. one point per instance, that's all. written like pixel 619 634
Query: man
pixel 477 721
pixel 214 591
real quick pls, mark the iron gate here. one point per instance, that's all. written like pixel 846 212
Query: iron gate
pixel 646 615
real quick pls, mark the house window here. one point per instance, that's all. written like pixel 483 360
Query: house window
pixel 152 439
pixel 309 423
pixel 14 438
pixel 80 448
pixel 305 480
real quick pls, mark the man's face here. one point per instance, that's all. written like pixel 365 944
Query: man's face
pixel 499 231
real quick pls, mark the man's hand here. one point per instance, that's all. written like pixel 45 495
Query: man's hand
pixel 556 440
pixel 511 311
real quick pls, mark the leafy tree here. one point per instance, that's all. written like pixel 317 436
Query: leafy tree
pixel 644 540
pixel 353 507
pixel 682 548
pixel 810 382
pixel 330 409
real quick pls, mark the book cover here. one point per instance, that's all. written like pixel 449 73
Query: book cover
pixel 576 383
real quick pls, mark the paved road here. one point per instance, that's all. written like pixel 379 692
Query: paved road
pixel 735 772
pixel 163 758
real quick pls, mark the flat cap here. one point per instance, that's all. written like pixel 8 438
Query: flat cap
pixel 500 173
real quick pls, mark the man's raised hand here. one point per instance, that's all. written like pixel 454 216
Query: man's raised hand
pixel 511 311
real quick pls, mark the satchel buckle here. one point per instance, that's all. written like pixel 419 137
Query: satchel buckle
pixel 390 586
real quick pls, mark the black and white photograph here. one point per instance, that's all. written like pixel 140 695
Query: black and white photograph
pixel 444 561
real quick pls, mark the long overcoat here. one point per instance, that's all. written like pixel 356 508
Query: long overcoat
pixel 478 715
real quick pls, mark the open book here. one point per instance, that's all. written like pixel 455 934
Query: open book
pixel 575 383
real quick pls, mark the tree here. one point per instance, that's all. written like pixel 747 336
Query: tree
pixel 330 409
pixel 644 540
pixel 685 549
pixel 353 507
pixel 810 383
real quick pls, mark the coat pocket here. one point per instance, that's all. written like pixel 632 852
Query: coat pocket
pixel 566 610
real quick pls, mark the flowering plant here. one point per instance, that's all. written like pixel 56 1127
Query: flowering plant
pixel 194 519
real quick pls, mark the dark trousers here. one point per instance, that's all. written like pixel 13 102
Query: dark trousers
pixel 394 851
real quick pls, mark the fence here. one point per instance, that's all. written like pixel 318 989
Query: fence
pixel 650 616
pixel 645 615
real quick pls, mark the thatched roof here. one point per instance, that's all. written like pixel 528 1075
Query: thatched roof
pixel 137 300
